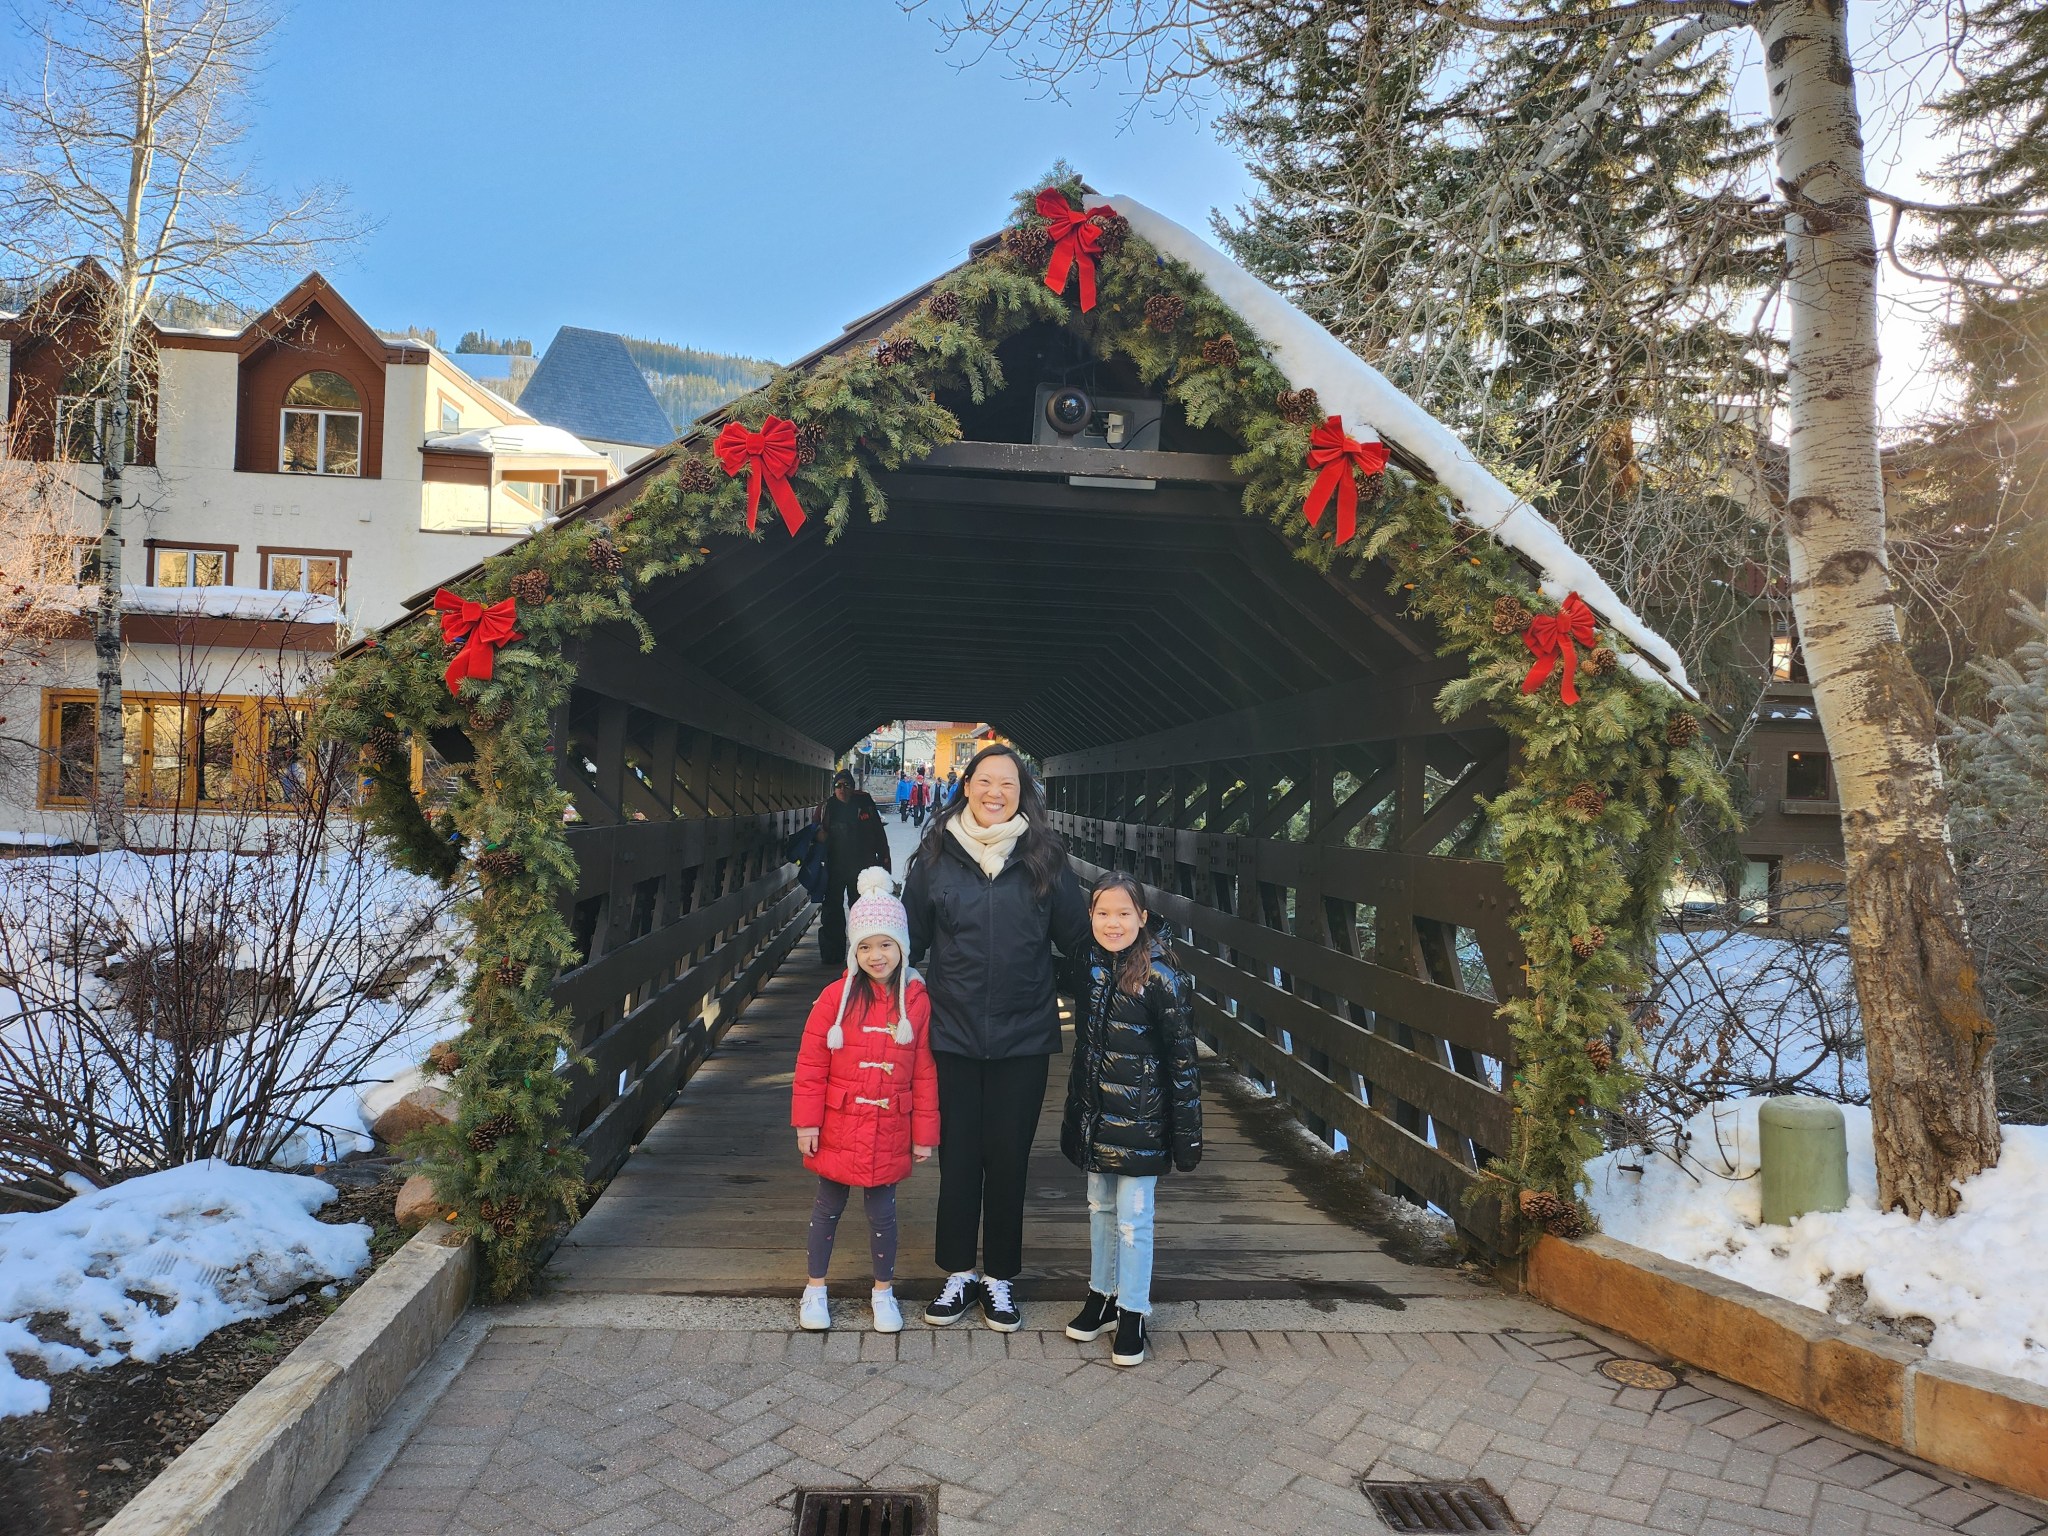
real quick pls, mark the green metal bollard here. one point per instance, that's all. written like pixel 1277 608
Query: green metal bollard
pixel 1804 1158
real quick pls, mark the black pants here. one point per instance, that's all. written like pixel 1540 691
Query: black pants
pixel 839 890
pixel 988 1113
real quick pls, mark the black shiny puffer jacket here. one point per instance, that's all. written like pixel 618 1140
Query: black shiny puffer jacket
pixel 1134 1096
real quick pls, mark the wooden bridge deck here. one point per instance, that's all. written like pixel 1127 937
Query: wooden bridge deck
pixel 714 1202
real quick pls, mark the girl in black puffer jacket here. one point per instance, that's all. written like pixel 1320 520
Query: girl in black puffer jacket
pixel 1134 1105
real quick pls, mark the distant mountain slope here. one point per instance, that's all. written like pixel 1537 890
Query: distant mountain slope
pixel 688 382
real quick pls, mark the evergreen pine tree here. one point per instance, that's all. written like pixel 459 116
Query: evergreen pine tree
pixel 2001 835
pixel 1585 325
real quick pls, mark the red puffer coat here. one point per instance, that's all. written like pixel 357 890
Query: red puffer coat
pixel 871 1098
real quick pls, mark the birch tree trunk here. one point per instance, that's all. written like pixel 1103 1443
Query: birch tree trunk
pixel 110 786
pixel 1927 1036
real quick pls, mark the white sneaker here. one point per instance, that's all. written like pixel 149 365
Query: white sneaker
pixel 815 1315
pixel 888 1316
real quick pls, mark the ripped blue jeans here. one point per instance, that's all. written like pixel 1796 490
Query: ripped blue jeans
pixel 1120 1238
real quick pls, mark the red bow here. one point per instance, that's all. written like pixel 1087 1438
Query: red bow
pixel 1550 634
pixel 1333 456
pixel 771 454
pixel 1075 239
pixel 485 628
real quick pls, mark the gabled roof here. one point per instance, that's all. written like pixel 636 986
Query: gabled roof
pixel 312 289
pixel 588 384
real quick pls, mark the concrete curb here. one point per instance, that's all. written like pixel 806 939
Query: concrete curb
pixel 257 1470
pixel 1989 1426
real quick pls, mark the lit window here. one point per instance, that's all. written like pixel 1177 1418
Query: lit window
pixel 1788 663
pixel 321 432
pixel 451 416
pixel 303 573
pixel 211 751
pixel 190 568
pixel 1807 776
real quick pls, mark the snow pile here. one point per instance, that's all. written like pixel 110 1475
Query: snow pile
pixel 222 603
pixel 151 1267
pixel 1976 1276
pixel 1352 388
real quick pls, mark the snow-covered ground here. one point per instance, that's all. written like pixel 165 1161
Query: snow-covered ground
pixel 1976 1276
pixel 368 962
pixel 151 1267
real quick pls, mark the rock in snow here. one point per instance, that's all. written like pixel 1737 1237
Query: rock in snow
pixel 150 1267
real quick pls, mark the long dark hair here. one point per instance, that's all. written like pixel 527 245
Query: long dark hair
pixel 1134 965
pixel 1040 850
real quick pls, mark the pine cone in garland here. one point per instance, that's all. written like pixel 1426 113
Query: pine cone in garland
pixel 1568 1224
pixel 532 587
pixel 694 477
pixel 605 557
pixel 487 720
pixel 509 973
pixel 1682 729
pixel 1541 1206
pixel 1116 229
pixel 381 744
pixel 1589 800
pixel 1601 1054
pixel 810 437
pixel 1371 488
pixel 1163 311
pixel 1221 352
pixel 943 307
pixel 1588 944
pixel 1603 661
pixel 501 1216
pixel 499 862
pixel 1511 615
pixel 486 1134
pixel 1028 244
pixel 443 1057
pixel 895 351
pixel 1299 406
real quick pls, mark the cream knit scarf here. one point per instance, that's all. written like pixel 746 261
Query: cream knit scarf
pixel 987 846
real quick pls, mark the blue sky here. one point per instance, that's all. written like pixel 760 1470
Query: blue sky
pixel 745 178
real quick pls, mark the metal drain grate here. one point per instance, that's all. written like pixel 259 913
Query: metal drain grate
pixel 1439 1506
pixel 863 1512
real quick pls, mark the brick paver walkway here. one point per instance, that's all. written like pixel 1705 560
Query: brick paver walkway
pixel 602 1430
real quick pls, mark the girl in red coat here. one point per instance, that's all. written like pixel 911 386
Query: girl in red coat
pixel 866 1104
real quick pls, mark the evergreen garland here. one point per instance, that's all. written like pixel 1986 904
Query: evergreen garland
pixel 506 1167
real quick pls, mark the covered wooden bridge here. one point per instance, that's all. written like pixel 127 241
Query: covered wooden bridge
pixel 1255 735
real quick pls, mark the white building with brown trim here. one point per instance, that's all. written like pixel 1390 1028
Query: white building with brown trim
pixel 303 453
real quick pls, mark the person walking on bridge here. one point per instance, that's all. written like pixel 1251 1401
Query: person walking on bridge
pixel 989 894
pixel 851 829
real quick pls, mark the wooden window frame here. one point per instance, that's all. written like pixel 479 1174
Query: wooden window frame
pixel 251 759
pixel 190 546
pixel 339 556
pixel 443 400
pixel 361 414
pixel 1827 768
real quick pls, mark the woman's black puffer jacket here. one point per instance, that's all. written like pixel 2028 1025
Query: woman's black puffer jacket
pixel 990 975
pixel 1134 1097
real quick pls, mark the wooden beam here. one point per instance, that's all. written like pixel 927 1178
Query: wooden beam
pixel 1391 708
pixel 1063 459
pixel 609 662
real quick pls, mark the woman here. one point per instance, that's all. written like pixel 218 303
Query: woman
pixel 989 895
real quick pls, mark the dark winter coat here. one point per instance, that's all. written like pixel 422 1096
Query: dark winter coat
pixel 855 838
pixel 1134 1094
pixel 991 970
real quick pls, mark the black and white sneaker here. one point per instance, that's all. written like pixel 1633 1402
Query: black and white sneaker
pixel 1129 1348
pixel 954 1298
pixel 1096 1317
pixel 998 1307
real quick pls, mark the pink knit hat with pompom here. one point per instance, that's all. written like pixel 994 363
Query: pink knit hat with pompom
pixel 877 912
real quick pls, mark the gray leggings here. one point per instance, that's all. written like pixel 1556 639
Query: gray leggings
pixel 880 1200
